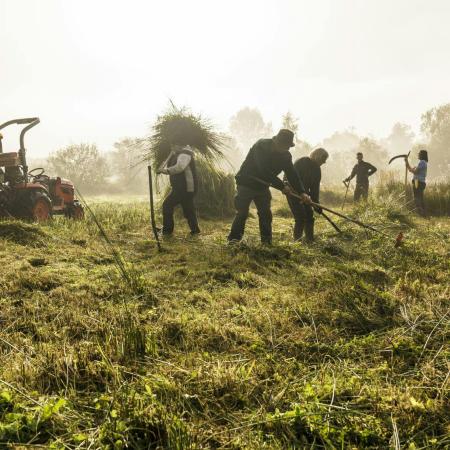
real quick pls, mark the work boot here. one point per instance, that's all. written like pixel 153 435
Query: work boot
pixel 309 232
pixel 298 231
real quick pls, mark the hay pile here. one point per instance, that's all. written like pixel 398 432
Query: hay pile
pixel 215 187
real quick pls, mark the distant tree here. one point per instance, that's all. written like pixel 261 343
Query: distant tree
pixel 247 126
pixel 341 141
pixel 302 148
pixel 400 140
pixel 233 154
pixel 342 159
pixel 82 164
pixel 373 152
pixel 436 127
pixel 128 171
pixel 290 122
pixel 342 147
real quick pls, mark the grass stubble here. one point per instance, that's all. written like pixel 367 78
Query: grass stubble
pixel 339 344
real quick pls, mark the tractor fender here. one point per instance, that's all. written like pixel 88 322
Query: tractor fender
pixel 31 187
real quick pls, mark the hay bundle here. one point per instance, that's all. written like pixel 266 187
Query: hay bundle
pixel 184 128
pixel 215 187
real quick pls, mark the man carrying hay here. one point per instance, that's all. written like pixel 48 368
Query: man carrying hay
pixel 180 166
pixel 265 160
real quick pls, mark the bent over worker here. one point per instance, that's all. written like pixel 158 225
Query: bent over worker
pixel 183 179
pixel 362 170
pixel 309 170
pixel 265 160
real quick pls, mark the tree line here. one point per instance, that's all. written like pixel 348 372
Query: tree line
pixel 121 170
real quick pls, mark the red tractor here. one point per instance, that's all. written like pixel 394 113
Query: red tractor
pixel 32 194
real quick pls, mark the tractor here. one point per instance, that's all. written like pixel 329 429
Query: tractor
pixel 32 194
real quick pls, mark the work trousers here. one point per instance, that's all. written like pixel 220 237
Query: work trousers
pixel 303 216
pixel 186 200
pixel 262 199
pixel 361 190
pixel 418 190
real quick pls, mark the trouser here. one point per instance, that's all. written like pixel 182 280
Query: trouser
pixel 242 201
pixel 361 190
pixel 304 219
pixel 186 200
pixel 418 190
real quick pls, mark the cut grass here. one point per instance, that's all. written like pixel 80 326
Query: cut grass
pixel 341 343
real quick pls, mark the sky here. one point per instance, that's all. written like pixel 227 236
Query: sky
pixel 99 70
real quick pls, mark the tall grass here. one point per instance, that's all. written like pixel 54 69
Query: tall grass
pixel 437 194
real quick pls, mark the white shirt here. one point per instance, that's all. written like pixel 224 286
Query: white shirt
pixel 182 165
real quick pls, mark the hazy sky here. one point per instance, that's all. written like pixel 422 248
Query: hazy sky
pixel 99 70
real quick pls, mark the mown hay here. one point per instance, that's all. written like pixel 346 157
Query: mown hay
pixel 22 233
pixel 215 196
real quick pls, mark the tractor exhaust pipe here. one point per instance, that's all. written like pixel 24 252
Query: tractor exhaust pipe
pixel 22 151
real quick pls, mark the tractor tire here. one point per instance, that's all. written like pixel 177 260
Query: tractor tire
pixel 40 207
pixel 75 211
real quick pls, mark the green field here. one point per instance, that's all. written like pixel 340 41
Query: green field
pixel 340 344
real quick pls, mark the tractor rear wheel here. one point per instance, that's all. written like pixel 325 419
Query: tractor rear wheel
pixel 41 209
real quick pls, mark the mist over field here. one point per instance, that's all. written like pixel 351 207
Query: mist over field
pixel 99 72
pixel 152 299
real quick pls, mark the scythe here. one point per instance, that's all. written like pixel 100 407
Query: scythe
pixel 405 157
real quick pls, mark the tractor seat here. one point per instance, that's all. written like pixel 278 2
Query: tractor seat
pixel 10 159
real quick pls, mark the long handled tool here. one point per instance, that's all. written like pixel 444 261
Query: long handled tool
pixel 152 209
pixel 318 205
pixel 405 158
pixel 347 185
pixel 331 222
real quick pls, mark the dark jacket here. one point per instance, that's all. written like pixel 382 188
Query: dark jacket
pixel 264 162
pixel 311 174
pixel 363 170
pixel 185 181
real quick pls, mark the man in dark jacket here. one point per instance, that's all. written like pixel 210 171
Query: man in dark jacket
pixel 180 167
pixel 308 169
pixel 265 160
pixel 362 170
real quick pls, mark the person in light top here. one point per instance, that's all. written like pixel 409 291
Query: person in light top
pixel 183 179
pixel 419 180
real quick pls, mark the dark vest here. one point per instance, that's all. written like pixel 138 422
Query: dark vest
pixel 178 181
